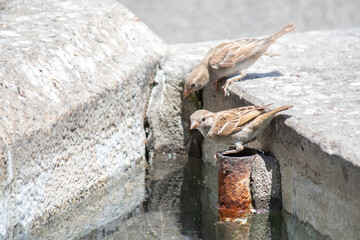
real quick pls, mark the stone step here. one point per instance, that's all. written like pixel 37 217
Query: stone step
pixel 317 144
pixel 74 80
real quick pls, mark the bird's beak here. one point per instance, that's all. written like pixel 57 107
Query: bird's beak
pixel 194 125
pixel 187 93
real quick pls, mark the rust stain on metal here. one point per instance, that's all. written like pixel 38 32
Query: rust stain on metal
pixel 234 197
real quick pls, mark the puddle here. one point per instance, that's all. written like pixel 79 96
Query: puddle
pixel 141 225
pixel 167 225
pixel 195 219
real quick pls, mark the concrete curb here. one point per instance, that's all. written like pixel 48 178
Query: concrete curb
pixel 75 78
pixel 316 142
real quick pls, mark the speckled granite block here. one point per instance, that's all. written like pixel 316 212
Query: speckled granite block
pixel 74 80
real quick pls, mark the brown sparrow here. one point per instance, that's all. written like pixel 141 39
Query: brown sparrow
pixel 234 126
pixel 230 60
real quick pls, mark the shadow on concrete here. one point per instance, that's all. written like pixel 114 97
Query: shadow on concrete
pixel 250 76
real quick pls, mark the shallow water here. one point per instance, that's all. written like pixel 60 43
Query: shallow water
pixel 167 225
pixel 196 219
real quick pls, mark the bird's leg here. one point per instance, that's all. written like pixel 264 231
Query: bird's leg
pixel 230 151
pixel 239 147
pixel 233 79
pixel 271 54
pixel 217 82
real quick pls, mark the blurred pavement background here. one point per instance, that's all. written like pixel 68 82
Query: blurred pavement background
pixel 187 21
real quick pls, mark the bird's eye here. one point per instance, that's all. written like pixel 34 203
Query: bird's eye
pixel 193 85
pixel 203 119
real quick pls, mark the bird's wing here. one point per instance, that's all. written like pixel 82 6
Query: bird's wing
pixel 214 50
pixel 233 120
pixel 228 54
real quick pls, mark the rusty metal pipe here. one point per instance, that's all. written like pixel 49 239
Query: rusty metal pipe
pixel 234 196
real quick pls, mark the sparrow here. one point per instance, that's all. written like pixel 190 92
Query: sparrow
pixel 235 126
pixel 229 60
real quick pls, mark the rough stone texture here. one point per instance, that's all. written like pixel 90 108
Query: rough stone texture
pixel 298 231
pixel 187 56
pixel 166 147
pixel 322 84
pixel 174 155
pixel 74 80
pixel 266 183
pixel 316 147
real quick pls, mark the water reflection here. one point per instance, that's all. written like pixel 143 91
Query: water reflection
pixel 167 225
pixel 196 217
pixel 140 225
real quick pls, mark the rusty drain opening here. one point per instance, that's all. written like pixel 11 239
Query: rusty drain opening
pixel 247 152
pixel 234 197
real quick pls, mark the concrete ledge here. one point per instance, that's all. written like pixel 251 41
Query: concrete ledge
pixel 317 146
pixel 75 78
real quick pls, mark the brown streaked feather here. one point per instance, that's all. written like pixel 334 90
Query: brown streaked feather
pixel 233 120
pixel 213 50
pixel 228 54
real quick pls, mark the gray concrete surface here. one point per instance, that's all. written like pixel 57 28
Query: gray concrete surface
pixel 323 84
pixel 74 81
pixel 77 79
pixel 316 142
pixel 317 147
pixel 174 156
pixel 266 184
pixel 185 21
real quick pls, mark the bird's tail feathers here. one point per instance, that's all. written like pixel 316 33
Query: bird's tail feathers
pixel 285 29
pixel 264 119
pixel 279 109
